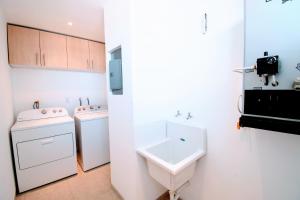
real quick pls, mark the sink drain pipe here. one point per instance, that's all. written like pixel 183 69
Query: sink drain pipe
pixel 174 195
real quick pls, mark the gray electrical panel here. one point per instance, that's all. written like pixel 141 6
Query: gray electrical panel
pixel 115 72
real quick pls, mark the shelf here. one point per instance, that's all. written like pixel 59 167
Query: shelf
pixel 272 124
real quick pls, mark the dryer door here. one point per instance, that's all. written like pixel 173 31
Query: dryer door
pixel 41 151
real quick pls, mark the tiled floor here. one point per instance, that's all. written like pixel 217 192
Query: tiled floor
pixel 92 185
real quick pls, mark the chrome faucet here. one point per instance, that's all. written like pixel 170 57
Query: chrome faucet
pixel 88 101
pixel 80 101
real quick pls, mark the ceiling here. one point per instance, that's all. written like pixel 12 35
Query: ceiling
pixel 54 15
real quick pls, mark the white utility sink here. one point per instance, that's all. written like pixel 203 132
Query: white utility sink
pixel 172 162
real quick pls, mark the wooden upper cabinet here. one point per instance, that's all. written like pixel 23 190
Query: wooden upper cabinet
pixel 29 47
pixel 78 54
pixel 53 50
pixel 97 56
pixel 24 46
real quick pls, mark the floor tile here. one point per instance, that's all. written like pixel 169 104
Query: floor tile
pixel 91 185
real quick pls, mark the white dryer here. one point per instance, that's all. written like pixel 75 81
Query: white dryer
pixel 44 147
pixel 92 133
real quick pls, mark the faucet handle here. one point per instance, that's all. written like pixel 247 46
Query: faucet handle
pixel 178 113
pixel 189 116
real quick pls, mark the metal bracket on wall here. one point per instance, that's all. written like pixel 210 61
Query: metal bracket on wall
pixel 205 24
pixel 284 1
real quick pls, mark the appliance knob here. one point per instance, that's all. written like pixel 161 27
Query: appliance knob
pixel 44 111
pixel 60 110
pixel 54 111
pixel 99 107
pixel 92 107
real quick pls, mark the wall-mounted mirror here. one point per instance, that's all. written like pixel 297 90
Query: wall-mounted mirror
pixel 273 27
pixel 272 47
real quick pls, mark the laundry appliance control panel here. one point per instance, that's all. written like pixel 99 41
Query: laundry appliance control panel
pixel 43 113
pixel 90 108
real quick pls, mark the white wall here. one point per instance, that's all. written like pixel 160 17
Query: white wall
pixel 153 69
pixel 56 88
pixel 7 183
pixel 122 151
pixel 175 67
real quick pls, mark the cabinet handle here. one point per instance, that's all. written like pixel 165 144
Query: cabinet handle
pixel 47 141
pixel 37 59
pixel 44 58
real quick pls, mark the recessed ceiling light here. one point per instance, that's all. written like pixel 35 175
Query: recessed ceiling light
pixel 70 23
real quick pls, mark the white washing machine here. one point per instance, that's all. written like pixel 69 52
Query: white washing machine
pixel 92 133
pixel 44 147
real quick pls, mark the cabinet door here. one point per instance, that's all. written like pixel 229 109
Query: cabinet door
pixel 78 54
pixel 97 56
pixel 24 46
pixel 53 50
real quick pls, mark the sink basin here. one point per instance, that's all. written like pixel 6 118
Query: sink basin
pixel 172 161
